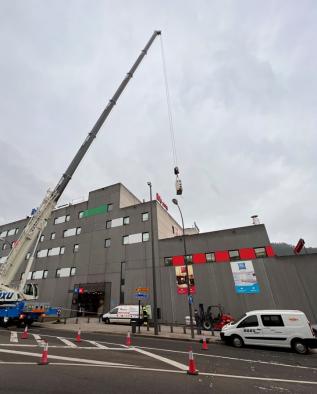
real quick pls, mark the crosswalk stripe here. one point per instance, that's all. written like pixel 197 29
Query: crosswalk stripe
pixel 98 345
pixel 39 340
pixel 67 342
pixel 14 336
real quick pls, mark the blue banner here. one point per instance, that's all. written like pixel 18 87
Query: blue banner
pixel 245 281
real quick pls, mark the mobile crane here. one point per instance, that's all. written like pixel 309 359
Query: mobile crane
pixel 15 303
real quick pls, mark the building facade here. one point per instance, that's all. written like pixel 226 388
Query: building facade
pixel 93 255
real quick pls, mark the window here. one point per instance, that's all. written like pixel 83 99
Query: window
pixel 62 251
pixel 76 248
pixel 37 275
pixel 11 232
pixel 45 274
pixel 114 311
pixel 28 255
pixel 107 243
pixel 42 238
pixel 72 231
pixel 80 214
pixel 260 252
pixel 4 246
pixel 122 282
pixel 108 224
pixel 168 260
pixel 54 251
pixel 250 321
pixel 125 239
pixel 53 235
pixel 58 273
pixel 16 231
pixel 67 218
pixel 234 255
pixel 63 272
pixel 272 320
pixel 145 237
pixel 4 233
pixel 189 259
pixel 173 229
pixel 210 257
pixel 61 219
pixel 145 216
pixel 116 222
pixel 3 259
pixel 41 253
pixel 126 220
pixel 110 207
pixel 73 271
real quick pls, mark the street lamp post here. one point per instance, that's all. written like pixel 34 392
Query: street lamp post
pixel 153 265
pixel 187 274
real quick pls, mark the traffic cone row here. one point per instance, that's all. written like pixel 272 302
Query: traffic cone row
pixel 25 333
pixel 191 364
pixel 205 346
pixel 44 358
pixel 128 339
pixel 78 337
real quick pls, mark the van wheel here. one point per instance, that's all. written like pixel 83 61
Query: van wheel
pixel 106 320
pixel 299 347
pixel 237 341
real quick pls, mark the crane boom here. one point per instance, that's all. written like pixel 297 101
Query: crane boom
pixel 38 222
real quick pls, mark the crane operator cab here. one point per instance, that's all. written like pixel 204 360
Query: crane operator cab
pixel 31 291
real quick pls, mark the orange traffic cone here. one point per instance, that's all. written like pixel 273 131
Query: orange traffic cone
pixel 128 339
pixel 44 358
pixel 78 338
pixel 25 333
pixel 191 364
pixel 205 346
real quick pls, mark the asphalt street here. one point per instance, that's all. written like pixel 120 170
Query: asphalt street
pixel 102 363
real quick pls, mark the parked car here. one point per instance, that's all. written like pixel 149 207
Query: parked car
pixel 123 314
pixel 281 328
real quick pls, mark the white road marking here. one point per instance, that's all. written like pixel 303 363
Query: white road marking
pixel 175 364
pixel 73 359
pixel 39 340
pixel 98 345
pixel 14 336
pixel 65 347
pixel 67 342
pixel 230 358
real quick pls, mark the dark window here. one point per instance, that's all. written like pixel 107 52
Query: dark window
pixel 145 237
pixel 73 271
pixel 126 220
pixel 210 257
pixel 53 235
pixel 110 207
pixel 67 218
pixel 260 252
pixel 234 255
pixel 45 273
pixel 107 243
pixel 168 260
pixel 58 273
pixel 125 239
pixel 108 224
pixel 250 321
pixel 76 248
pixel 78 230
pixel 272 320
pixel 173 229
pixel 122 282
pixel 145 217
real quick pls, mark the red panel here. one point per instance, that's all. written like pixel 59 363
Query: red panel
pixel 178 260
pixel 269 251
pixel 199 258
pixel 222 255
pixel 247 253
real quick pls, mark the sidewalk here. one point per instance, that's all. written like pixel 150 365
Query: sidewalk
pixel 95 326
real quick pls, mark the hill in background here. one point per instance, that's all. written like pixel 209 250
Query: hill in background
pixel 284 249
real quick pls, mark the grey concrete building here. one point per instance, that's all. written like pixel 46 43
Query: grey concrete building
pixel 94 254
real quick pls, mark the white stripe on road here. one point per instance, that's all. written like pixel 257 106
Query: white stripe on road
pixel 98 345
pixel 14 336
pixel 39 340
pixel 230 358
pixel 175 364
pixel 73 359
pixel 67 342
pixel 122 366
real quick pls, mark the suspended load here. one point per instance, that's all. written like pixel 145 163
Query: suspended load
pixel 178 184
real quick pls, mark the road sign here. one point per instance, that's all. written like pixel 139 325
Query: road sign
pixel 142 290
pixel 141 296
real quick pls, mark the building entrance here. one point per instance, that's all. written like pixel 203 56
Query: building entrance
pixel 91 299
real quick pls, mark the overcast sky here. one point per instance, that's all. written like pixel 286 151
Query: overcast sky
pixel 242 80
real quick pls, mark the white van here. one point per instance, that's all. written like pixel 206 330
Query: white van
pixel 123 314
pixel 282 328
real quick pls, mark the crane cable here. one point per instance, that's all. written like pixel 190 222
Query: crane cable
pixel 169 110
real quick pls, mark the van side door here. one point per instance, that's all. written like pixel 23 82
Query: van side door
pixel 250 330
pixel 274 330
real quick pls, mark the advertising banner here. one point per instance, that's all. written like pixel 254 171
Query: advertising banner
pixel 181 279
pixel 244 277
